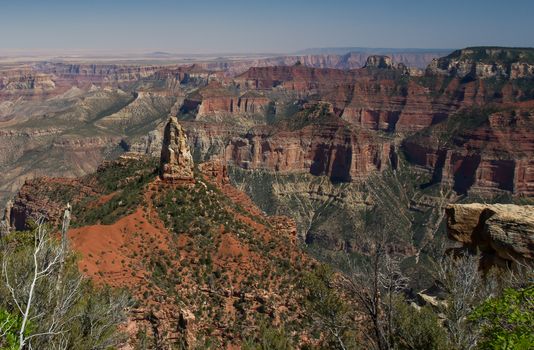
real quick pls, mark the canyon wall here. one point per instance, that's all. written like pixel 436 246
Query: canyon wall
pixel 328 149
pixel 494 156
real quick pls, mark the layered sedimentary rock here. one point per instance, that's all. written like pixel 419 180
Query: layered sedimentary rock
pixel 19 82
pixel 480 151
pixel 504 230
pixel 376 97
pixel 217 100
pixel 384 96
pixel 149 144
pixel 176 162
pixel 185 74
pixel 146 108
pixel 97 73
pixel 323 148
pixel 52 79
pixel 296 78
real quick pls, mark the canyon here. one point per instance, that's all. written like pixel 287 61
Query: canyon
pixel 213 195
pixel 339 142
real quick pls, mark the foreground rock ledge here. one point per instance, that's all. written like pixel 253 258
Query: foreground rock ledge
pixel 505 230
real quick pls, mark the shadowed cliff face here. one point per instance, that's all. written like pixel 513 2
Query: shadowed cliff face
pixel 313 141
pixel 479 150
pixel 388 99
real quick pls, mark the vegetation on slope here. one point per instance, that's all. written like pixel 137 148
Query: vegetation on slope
pixel 222 248
pixel 46 303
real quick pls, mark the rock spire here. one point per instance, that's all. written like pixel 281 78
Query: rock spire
pixel 176 162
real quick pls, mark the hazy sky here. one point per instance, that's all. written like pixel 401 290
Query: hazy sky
pixel 210 26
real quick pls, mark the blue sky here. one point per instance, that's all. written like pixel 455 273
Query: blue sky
pixel 210 26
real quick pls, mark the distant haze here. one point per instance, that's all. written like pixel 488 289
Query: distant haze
pixel 274 26
pixel 369 50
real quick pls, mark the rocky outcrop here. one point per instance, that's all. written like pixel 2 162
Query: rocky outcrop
pixel 486 62
pixel 193 74
pixel 34 201
pixel 176 162
pixel 519 70
pixel 503 230
pixel 252 102
pixel 377 61
pixel 216 100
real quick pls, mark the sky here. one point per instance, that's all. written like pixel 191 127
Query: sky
pixel 269 26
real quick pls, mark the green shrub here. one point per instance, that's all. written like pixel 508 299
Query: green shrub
pixel 507 322
pixel 9 326
pixel 416 329
pixel 268 338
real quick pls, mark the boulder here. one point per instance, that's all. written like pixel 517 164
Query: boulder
pixel 505 230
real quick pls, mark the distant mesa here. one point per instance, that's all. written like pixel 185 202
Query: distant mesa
pixel 176 162
pixel 160 54
pixel 372 51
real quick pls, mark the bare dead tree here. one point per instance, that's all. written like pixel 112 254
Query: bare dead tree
pixel 58 308
pixel 46 258
pixel 326 308
pixel 64 228
pixel 392 282
pixel 461 280
pixel 373 285
pixel 64 244
pixel 25 281
pixel 4 228
pixel 363 284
